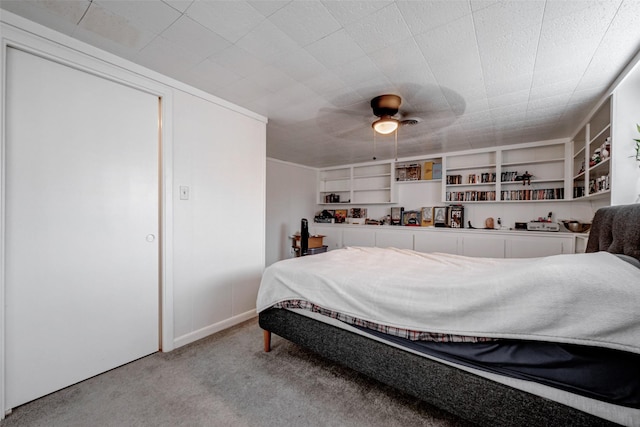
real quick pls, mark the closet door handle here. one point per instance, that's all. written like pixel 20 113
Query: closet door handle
pixel 150 238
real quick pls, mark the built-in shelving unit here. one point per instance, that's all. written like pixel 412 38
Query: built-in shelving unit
pixel 544 169
pixel 361 184
pixel 470 177
pixel 519 173
pixel 533 172
pixel 592 155
pixel 425 170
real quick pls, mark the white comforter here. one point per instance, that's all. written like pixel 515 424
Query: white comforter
pixel 591 299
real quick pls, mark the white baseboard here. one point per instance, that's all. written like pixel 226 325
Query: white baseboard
pixel 212 329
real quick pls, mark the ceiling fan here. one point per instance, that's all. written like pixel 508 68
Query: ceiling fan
pixel 386 107
pixel 353 118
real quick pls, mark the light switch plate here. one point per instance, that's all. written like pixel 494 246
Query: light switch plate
pixel 184 192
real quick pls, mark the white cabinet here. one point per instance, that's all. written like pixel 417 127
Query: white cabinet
pixel 475 243
pixel 332 236
pixel 486 246
pixel 368 183
pixel 436 242
pixel 401 239
pixel 358 237
pixel 534 246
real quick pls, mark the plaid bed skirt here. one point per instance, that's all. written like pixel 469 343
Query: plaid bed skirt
pixel 390 330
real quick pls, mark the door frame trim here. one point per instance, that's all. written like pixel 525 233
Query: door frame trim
pixel 48 44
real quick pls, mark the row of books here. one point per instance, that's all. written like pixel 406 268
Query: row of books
pixel 470 196
pixel 481 177
pixel 508 176
pixel 546 194
pixel 473 178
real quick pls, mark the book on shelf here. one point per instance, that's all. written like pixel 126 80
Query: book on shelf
pixel 427 171
pixel 542 194
pixel 456 216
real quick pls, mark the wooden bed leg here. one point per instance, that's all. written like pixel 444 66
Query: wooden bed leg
pixel 267 340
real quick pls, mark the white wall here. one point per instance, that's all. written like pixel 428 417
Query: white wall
pixel 218 232
pixel 213 243
pixel 291 196
pixel 625 184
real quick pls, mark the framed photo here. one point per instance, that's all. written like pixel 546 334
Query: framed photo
pixel 411 218
pixel 413 172
pixel 440 216
pixel 358 213
pixel 456 216
pixel 401 173
pixel 396 215
pixel 340 215
pixel 427 216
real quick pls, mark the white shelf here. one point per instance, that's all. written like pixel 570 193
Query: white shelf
pixel 369 183
pixel 466 168
pixel 419 181
pixel 588 139
pixel 378 175
pixel 545 162
pixel 532 162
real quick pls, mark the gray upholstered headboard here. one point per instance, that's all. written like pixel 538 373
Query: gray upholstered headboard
pixel 616 229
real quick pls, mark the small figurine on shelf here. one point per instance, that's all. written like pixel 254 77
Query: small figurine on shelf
pixel 525 178
pixel 595 158
pixel 604 150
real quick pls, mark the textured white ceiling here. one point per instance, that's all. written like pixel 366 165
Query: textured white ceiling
pixel 477 73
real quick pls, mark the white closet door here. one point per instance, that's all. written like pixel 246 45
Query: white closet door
pixel 82 251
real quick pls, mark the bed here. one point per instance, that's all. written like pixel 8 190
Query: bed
pixel 542 341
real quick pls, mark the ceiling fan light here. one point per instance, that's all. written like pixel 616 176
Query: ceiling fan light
pixel 385 125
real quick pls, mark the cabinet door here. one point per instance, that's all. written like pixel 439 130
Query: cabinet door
pixel 355 237
pixel 483 246
pixel 532 246
pixel 445 242
pixel 401 239
pixel 332 236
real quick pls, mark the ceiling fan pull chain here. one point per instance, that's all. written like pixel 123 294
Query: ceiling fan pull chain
pixel 396 145
pixel 374 145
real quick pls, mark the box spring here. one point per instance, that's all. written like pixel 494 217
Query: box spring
pixel 464 394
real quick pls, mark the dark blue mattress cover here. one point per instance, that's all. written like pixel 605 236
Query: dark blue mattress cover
pixel 608 375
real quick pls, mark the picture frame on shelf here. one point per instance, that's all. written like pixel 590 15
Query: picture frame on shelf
pixel 414 172
pixel 340 215
pixel 358 213
pixel 396 215
pixel 437 171
pixel 440 216
pixel 427 216
pixel 401 173
pixel 411 218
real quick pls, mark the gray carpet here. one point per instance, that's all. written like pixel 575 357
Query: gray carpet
pixel 227 380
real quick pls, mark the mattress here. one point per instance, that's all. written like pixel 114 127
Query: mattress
pixel 619 414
